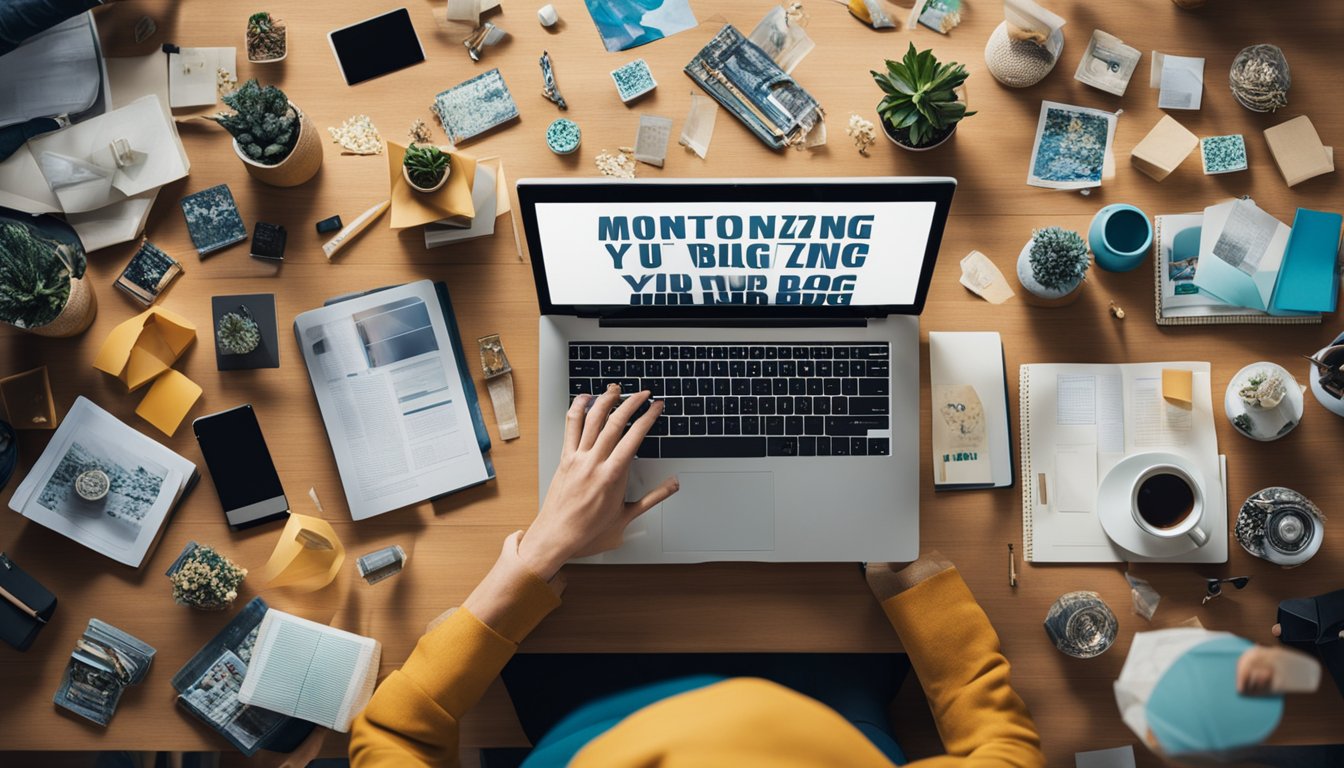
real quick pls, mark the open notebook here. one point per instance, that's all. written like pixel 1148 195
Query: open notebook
pixel 310 671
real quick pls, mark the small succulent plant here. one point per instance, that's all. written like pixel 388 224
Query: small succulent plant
pixel 264 124
pixel 1058 258
pixel 35 273
pixel 237 334
pixel 265 37
pixel 425 165
pixel 921 96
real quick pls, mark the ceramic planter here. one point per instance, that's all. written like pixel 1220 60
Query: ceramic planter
pixel 1038 294
pixel 1120 237
pixel 887 129
pixel 406 174
pixel 299 166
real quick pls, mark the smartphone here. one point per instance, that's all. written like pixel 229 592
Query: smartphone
pixel 239 463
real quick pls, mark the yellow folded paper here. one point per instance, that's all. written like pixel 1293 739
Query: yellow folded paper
pixel 411 208
pixel 167 402
pixel 145 346
pixel 1178 385
pixel 307 557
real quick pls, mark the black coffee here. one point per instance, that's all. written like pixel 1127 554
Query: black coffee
pixel 1165 500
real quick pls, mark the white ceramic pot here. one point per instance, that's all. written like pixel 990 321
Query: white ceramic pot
pixel 406 174
pixel 1038 294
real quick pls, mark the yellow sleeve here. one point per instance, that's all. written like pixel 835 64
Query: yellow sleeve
pixel 954 651
pixel 413 717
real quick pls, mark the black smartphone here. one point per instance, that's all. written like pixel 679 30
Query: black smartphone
pixel 236 455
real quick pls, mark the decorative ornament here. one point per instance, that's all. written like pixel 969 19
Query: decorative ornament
pixel 1260 78
pixel 237 333
pixel 862 131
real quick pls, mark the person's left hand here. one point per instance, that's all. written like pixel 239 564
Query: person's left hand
pixel 585 511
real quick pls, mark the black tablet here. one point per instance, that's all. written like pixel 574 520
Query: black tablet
pixel 376 46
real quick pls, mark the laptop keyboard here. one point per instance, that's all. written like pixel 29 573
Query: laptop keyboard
pixel 744 400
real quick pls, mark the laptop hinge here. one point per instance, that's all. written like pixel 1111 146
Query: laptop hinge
pixel 730 322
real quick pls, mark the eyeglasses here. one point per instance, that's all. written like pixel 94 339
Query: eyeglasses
pixel 1214 587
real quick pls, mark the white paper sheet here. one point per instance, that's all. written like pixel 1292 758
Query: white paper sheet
pixel 192 75
pixel 1180 78
pixel 1075 478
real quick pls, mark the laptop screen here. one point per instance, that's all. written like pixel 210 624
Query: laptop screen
pixel 856 246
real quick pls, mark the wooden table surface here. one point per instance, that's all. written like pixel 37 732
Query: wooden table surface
pixel 740 607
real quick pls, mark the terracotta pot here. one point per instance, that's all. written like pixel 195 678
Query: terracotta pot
pixel 298 167
pixel 78 314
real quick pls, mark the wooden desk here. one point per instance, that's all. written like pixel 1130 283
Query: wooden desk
pixel 709 607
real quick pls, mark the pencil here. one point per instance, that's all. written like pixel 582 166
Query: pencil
pixel 22 606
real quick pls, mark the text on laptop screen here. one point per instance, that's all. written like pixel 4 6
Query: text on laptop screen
pixel 867 253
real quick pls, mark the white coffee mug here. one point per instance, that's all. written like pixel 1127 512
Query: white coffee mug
pixel 1186 524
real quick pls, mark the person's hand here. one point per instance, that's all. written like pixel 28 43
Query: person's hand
pixel 1262 670
pixel 585 511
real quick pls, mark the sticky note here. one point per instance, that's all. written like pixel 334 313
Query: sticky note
pixel 168 401
pixel 1178 385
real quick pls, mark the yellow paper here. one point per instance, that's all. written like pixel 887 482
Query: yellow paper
pixel 168 401
pixel 1177 385
pixel 307 557
pixel 145 346
pixel 411 208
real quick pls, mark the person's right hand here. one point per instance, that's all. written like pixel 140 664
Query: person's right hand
pixel 585 511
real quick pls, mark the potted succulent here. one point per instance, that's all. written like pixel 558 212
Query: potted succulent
pixel 267 39
pixel 204 579
pixel 277 143
pixel 425 167
pixel 922 105
pixel 42 285
pixel 1052 266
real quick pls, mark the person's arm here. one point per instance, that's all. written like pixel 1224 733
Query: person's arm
pixel 21 19
pixel 955 653
pixel 413 716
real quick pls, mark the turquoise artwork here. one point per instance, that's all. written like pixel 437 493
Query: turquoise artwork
pixel 475 106
pixel 1223 154
pixel 633 80
pixel 625 24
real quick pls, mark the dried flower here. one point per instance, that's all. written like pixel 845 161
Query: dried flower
pixel 358 135
pixel 203 578
pixel 225 82
pixel 419 132
pixel 619 165
pixel 863 133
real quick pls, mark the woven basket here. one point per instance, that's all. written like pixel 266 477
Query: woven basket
pixel 78 314
pixel 301 164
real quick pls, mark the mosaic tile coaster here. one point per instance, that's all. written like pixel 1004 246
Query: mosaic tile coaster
pixel 474 106
pixel 633 80
pixel 148 273
pixel 212 219
pixel 1223 154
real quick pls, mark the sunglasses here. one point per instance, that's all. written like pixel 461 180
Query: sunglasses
pixel 1214 587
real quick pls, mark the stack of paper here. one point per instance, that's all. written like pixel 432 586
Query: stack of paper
pixel 1298 151
pixel 310 671
pixel 144 482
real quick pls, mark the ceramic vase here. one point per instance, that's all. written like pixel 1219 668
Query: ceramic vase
pixel 1038 294
pixel 1120 237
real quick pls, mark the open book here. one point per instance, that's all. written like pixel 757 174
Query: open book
pixel 396 397
pixel 105 485
pixel 310 671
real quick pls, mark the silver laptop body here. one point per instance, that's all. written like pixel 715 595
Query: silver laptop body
pixel 724 248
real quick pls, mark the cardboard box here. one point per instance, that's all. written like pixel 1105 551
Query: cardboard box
pixel 1164 148
pixel 1298 151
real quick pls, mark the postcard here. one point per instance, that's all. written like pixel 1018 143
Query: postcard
pixel 624 25
pixel 1072 148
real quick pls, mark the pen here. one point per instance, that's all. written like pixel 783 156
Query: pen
pixel 1012 567
pixel 351 230
pixel 22 606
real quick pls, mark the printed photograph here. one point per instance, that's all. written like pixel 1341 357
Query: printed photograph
pixel 134 486
pixel 1070 147
pixel 215 698
pixel 625 24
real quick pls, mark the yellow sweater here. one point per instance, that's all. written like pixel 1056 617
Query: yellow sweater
pixel 744 723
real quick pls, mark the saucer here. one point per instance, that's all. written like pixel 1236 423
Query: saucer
pixel 1266 423
pixel 1117 519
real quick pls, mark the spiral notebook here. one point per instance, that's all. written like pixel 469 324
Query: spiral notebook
pixel 1080 421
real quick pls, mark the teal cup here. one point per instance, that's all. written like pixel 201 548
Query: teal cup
pixel 1120 237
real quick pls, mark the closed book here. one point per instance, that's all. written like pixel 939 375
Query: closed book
pixel 1308 280
pixel 17 627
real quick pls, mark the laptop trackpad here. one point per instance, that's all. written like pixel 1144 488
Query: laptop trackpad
pixel 721 512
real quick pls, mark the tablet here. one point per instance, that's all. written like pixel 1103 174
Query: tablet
pixel 376 46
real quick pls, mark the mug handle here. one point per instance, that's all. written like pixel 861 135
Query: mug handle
pixel 1198 535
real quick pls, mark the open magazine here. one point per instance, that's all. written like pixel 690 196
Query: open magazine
pixel 399 406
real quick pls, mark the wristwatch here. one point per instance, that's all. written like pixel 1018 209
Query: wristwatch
pixel 499 380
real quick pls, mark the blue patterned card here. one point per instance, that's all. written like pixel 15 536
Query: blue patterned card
pixel 212 219
pixel 475 106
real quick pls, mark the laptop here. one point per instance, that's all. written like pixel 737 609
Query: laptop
pixel 778 321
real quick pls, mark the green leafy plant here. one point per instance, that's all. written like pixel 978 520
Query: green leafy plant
pixel 920 96
pixel 265 37
pixel 1058 258
pixel 237 334
pixel 425 165
pixel 35 273
pixel 263 123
